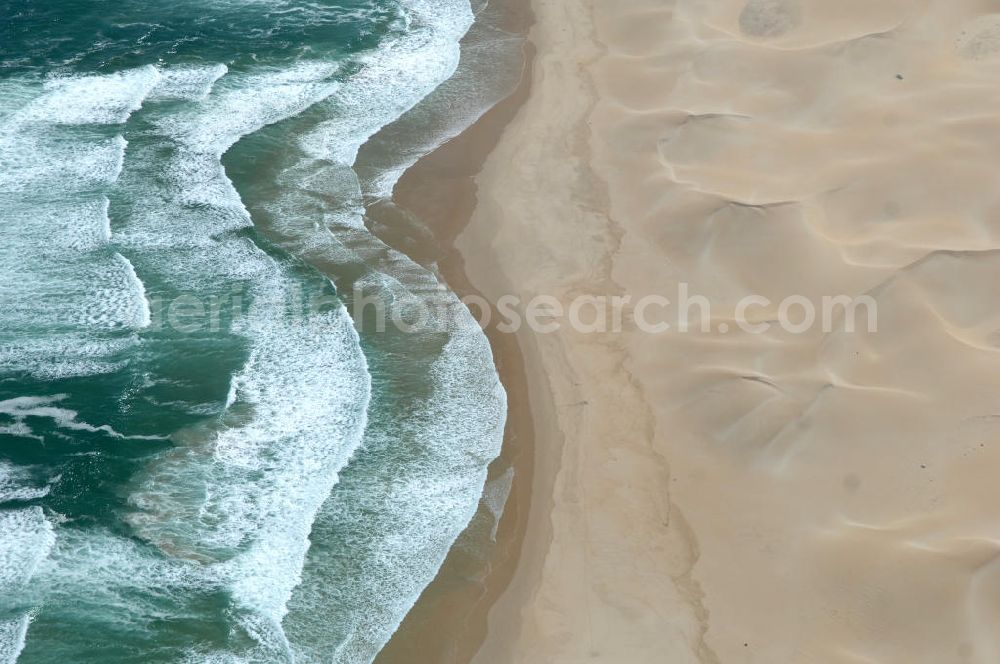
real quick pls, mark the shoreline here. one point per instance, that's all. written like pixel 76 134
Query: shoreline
pixel 448 624
pixel 728 496
pixel 532 215
pixel 606 571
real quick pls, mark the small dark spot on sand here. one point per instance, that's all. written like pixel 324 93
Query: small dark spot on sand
pixel 899 76
pixel 924 466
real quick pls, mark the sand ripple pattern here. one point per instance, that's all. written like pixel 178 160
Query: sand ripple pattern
pixel 839 486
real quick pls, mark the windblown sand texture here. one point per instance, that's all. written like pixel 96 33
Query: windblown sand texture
pixel 821 497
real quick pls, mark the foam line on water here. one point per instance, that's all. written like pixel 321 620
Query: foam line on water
pixel 298 407
pixel 79 226
pixel 187 83
pixel 495 497
pixel 300 402
pixel 61 356
pixel 54 171
pixel 241 104
pixel 404 525
pixel 27 539
pixel 21 408
pixel 15 482
pixel 405 528
pixel 306 387
pixel 113 584
pixel 13 632
pixel 35 163
pixel 241 497
pixel 141 316
pixel 393 78
pixel 104 99
pixel 490 67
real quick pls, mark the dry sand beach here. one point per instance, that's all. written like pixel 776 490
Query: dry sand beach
pixel 823 496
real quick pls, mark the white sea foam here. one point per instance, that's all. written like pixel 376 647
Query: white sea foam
pixel 263 479
pixel 21 408
pixel 495 497
pixel 79 226
pixel 13 632
pixel 137 306
pixel 201 203
pixel 16 484
pixel 241 498
pixel 33 152
pixel 490 68
pixel 85 296
pixel 243 103
pixel 404 525
pixel 26 537
pixel 18 430
pixel 92 575
pixel 306 386
pixel 63 355
pixel 187 83
pixel 104 99
pixel 393 78
pixel 44 165
pixel 235 507
pixel 60 285
pixel 267 477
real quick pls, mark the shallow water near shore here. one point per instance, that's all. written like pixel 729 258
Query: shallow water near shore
pixel 275 485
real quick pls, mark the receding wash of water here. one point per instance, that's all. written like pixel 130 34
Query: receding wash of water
pixel 273 483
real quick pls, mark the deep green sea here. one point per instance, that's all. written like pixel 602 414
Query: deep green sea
pixel 207 452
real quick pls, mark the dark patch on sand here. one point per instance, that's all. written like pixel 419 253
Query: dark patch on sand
pixel 769 18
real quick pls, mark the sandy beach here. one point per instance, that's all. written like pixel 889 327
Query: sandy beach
pixel 727 496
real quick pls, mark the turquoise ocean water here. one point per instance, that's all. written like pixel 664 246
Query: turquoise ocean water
pixel 202 457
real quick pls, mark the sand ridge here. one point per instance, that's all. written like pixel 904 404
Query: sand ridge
pixel 817 497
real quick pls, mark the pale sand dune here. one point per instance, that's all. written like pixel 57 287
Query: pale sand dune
pixel 822 497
